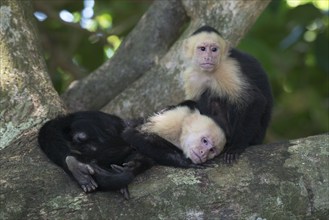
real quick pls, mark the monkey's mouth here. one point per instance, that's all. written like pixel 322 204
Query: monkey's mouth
pixel 207 65
pixel 196 158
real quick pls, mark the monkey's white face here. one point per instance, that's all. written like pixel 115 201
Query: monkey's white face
pixel 200 148
pixel 207 56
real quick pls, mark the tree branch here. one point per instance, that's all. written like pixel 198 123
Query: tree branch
pixel 279 181
pixel 159 27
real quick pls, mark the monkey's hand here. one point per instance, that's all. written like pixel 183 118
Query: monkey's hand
pixel 82 173
pixel 231 156
pixel 126 167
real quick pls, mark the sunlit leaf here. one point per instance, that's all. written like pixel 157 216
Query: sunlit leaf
pixel 114 40
pixel 104 21
pixel 109 52
pixel 89 24
pixel 76 17
pixel 322 4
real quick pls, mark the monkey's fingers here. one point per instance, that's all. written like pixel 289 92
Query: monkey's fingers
pixel 125 193
pixel 117 168
pixel 129 164
pixel 230 158
pixel 90 186
pixel 90 169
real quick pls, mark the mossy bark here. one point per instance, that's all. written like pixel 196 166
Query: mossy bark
pixel 26 94
pixel 287 180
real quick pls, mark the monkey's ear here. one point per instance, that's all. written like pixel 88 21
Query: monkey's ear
pixel 226 48
pixel 187 49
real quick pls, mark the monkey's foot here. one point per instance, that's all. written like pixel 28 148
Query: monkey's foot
pixel 125 192
pixel 82 173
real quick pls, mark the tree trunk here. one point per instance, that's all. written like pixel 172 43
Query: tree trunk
pixel 278 181
pixel 25 88
pixel 142 49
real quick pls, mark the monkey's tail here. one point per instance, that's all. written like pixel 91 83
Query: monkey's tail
pixel 110 179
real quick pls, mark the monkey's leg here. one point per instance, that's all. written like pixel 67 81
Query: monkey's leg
pixel 82 173
pixel 160 150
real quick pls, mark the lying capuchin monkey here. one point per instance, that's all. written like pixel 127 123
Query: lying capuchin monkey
pixel 229 86
pixel 102 151
pixel 178 136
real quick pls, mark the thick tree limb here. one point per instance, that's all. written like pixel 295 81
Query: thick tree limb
pixel 278 181
pixel 142 49
pixel 25 87
pixel 162 84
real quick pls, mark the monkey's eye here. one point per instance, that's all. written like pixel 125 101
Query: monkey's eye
pixel 214 49
pixel 202 48
pixel 204 141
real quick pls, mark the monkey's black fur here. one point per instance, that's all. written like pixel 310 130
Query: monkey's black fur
pixel 160 150
pixel 92 139
pixel 206 28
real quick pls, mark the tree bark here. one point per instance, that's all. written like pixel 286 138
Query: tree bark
pixel 25 87
pixel 142 49
pixel 278 181
pixel 286 180
pixel 162 85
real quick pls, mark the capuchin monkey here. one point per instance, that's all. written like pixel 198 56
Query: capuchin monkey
pixel 88 146
pixel 229 86
pixel 178 136
pixel 102 151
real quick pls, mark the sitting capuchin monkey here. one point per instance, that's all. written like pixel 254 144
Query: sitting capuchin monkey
pixel 229 86
pixel 178 136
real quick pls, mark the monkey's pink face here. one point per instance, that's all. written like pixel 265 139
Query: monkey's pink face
pixel 203 151
pixel 207 56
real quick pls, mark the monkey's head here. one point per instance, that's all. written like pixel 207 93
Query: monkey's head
pixel 201 138
pixel 205 49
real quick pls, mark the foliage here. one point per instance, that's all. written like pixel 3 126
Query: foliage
pixel 292 44
pixel 78 36
pixel 290 39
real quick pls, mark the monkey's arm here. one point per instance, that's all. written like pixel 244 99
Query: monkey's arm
pixel 81 172
pixel 157 148
pixel 246 128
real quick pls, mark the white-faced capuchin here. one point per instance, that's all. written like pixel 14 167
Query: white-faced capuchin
pixel 88 146
pixel 102 151
pixel 178 136
pixel 229 86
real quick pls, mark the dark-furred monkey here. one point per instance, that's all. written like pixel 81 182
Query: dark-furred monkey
pixel 88 146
